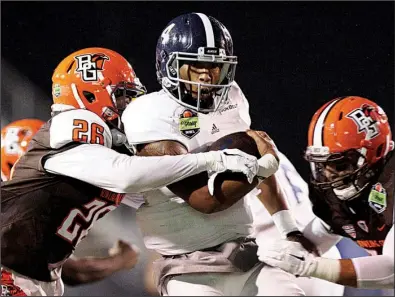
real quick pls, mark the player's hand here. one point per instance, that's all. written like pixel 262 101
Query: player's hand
pixel 306 243
pixel 129 252
pixel 288 255
pixel 233 160
pixel 264 143
pixel 269 161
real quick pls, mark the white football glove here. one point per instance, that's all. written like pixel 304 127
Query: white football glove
pixel 289 256
pixel 230 159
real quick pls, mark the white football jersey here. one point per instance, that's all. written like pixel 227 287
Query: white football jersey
pixel 169 225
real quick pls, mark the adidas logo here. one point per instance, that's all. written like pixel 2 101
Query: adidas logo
pixel 214 129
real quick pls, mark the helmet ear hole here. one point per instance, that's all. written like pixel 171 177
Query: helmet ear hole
pixel 89 96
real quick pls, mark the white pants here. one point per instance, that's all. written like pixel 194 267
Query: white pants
pixel 14 282
pixel 262 280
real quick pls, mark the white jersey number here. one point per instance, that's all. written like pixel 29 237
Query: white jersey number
pixel 70 230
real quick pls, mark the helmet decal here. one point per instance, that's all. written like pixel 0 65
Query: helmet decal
pixel 88 66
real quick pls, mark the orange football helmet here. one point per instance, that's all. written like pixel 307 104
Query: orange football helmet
pixel 96 79
pixel 347 140
pixel 15 138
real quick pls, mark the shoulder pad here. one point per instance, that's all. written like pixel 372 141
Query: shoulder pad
pixel 239 98
pixel 151 118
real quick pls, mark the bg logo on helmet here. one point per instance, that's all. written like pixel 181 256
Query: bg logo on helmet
pixel 88 66
pixel 365 121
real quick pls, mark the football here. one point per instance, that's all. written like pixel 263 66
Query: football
pixel 238 140
pixel 229 187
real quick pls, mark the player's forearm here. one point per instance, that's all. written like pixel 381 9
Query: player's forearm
pixel 120 173
pixel 226 192
pixel 374 272
pixel 271 195
pixel 88 270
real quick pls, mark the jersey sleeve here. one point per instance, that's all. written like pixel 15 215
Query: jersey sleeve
pixel 375 272
pixel 120 173
pixel 78 126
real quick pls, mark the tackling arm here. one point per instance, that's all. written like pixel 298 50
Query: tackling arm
pixel 372 272
pixel 105 168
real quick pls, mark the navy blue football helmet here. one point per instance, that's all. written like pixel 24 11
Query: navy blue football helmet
pixel 193 38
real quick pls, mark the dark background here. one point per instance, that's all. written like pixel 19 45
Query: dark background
pixel 293 56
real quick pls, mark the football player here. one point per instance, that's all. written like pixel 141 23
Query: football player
pixel 72 175
pixel 350 151
pixel 297 195
pixel 15 138
pixel 203 235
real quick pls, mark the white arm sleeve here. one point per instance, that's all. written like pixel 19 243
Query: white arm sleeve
pixel 377 272
pixel 105 168
pixel 319 234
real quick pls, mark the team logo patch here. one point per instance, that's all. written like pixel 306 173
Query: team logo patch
pixel 189 123
pixel 363 226
pixel 56 90
pixel 88 65
pixel 365 120
pixel 378 198
pixel 350 230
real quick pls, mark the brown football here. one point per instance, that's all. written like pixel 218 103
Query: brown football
pixel 229 187
pixel 238 140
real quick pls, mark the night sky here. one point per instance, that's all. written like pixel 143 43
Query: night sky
pixel 293 56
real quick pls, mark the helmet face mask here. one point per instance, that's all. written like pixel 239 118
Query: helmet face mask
pixel 124 93
pixel 192 70
pixel 340 172
pixel 206 96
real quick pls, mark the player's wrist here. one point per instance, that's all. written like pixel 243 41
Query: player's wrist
pixel 205 160
pixel 285 223
pixel 324 268
pixel 268 165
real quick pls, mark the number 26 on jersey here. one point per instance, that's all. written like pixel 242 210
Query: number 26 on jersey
pixel 87 132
